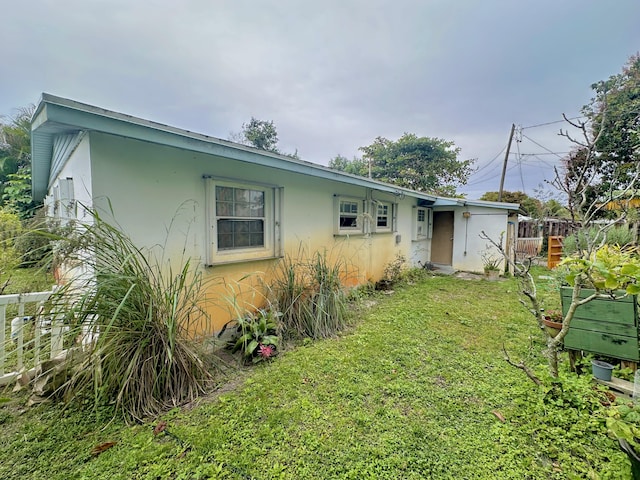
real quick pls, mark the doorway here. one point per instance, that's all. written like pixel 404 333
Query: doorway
pixel 442 241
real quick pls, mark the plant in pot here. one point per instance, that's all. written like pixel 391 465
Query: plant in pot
pixel 552 321
pixel 491 264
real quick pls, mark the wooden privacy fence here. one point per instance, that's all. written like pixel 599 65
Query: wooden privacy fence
pixel 25 340
pixel 551 227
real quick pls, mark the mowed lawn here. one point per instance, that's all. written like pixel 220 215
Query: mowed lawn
pixel 414 390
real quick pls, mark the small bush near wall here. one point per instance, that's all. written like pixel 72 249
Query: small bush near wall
pixel 310 295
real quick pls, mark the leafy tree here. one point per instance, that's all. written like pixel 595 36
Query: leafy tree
pixel 553 208
pixel 17 193
pixel 615 112
pixel 419 163
pixel 15 162
pixel 260 134
pixel 606 154
pixel 531 206
pixel 603 169
pixel 357 166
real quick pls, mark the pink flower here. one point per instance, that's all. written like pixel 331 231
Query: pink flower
pixel 265 351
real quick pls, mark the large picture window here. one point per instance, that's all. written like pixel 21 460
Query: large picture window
pixel 243 221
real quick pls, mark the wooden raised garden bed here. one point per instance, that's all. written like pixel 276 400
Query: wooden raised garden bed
pixel 603 326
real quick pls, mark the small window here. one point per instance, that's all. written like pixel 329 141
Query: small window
pixel 422 224
pixel 383 220
pixel 349 216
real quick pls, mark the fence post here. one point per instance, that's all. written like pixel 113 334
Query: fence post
pixel 57 339
pixel 3 329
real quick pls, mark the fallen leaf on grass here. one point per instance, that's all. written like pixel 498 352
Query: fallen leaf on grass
pixel 499 416
pixel 98 449
pixel 160 427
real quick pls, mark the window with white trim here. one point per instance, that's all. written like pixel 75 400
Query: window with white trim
pixel 349 216
pixel 240 217
pixel 243 221
pixel 385 217
pixel 422 223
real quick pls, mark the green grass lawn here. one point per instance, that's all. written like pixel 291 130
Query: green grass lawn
pixel 414 390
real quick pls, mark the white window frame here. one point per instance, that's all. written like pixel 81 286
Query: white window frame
pixel 392 213
pixel 422 229
pixel 271 247
pixel 359 215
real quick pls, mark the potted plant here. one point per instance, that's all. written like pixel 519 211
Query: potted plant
pixel 491 265
pixel 552 321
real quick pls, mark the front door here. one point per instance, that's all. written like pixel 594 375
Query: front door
pixel 442 241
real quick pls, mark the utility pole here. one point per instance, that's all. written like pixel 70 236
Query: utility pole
pixel 506 158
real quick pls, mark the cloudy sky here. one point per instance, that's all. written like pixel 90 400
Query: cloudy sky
pixel 334 74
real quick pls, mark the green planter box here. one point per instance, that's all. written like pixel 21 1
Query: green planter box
pixel 604 326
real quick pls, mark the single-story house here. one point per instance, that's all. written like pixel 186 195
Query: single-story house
pixel 237 209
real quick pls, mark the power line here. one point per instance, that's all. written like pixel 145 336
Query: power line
pixel 543 153
pixel 490 161
pixel 552 123
pixel 541 146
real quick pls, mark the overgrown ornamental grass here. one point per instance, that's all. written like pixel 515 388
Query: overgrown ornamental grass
pixel 143 359
pixel 413 391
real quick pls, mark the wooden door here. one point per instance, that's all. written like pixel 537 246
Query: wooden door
pixel 442 241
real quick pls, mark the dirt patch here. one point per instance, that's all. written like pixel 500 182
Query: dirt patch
pixel 468 276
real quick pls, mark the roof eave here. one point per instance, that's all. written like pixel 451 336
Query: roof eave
pixel 70 115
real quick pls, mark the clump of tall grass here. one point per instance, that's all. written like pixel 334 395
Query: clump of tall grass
pixel 310 296
pixel 618 235
pixel 139 316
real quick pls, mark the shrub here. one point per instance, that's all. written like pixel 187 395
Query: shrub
pixel 144 359
pixel 310 295
pixel 392 273
pixel 10 229
pixel 619 235
pixel 34 243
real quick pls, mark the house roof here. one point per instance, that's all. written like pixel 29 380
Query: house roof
pixel 56 116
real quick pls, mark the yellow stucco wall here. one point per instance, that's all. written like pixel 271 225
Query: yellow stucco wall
pixel 157 195
pixel 155 189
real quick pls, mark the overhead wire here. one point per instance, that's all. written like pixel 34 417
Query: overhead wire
pixel 520 157
pixel 491 161
pixel 541 146
pixel 552 123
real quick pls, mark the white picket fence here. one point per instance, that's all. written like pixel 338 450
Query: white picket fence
pixel 16 345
